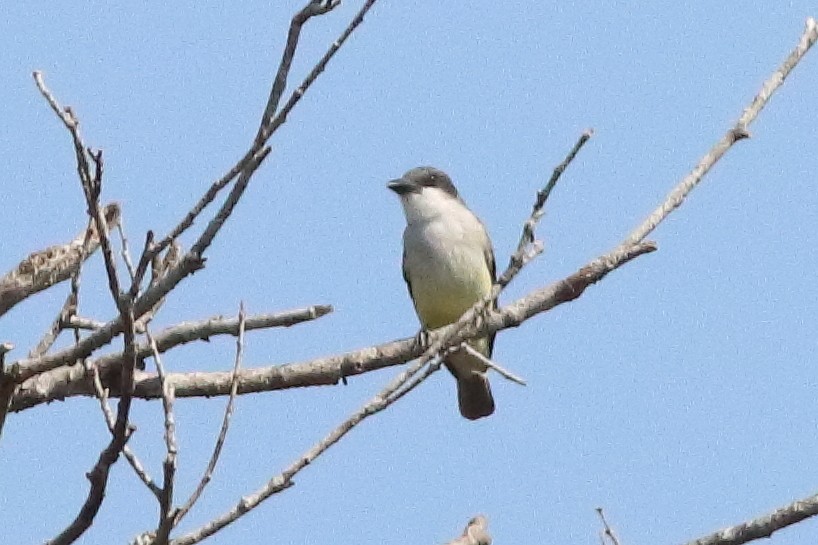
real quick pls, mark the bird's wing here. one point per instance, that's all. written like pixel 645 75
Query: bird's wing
pixel 406 276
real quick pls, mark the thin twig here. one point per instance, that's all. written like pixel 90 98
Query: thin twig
pixel 505 373
pixel 736 133
pixel 125 253
pixel 110 420
pixel 68 381
pixel 526 247
pixel 312 9
pixel 98 476
pixel 247 165
pixel 607 531
pixel 91 184
pixel 228 412
pixel 320 66
pixel 92 188
pixel 192 261
pixel 151 249
pixel 166 516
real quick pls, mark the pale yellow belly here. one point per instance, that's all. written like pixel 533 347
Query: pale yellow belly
pixel 442 303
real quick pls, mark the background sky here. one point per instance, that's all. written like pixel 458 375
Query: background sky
pixel 679 393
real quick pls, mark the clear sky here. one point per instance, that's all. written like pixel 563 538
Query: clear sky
pixel 679 394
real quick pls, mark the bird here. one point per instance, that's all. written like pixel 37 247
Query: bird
pixel 448 265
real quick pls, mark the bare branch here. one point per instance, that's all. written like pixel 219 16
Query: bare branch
pixel 320 66
pixel 312 9
pixel 98 476
pixel 476 533
pixel 91 184
pixel 737 132
pixel 252 156
pixel 505 373
pixel 764 526
pixel 78 322
pixel 69 308
pixel 48 267
pixel 60 262
pixel 166 515
pixel 110 420
pixel 247 165
pixel 607 531
pixel 193 260
pixel 525 252
pixel 92 187
pixel 67 381
pixel 125 252
pixel 228 412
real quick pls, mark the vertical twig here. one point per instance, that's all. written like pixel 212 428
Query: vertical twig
pixel 92 188
pixel 166 517
pixel 228 412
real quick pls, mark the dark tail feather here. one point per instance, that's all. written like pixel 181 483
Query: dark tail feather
pixel 474 396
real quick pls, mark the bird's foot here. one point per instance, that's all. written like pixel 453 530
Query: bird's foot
pixel 422 338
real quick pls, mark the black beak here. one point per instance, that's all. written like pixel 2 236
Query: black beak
pixel 402 186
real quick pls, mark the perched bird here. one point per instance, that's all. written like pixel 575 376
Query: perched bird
pixel 448 265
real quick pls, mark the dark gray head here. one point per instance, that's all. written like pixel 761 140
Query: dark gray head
pixel 413 181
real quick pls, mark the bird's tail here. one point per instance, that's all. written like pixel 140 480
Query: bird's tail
pixel 474 395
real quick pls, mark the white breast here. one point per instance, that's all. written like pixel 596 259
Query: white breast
pixel 445 257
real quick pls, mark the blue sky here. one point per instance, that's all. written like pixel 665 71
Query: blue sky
pixel 679 394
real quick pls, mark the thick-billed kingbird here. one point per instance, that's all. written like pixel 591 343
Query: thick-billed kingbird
pixel 448 265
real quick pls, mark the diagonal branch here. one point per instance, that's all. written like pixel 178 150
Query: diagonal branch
pixel 55 264
pixel 228 412
pixel 764 526
pixel 247 165
pixel 69 307
pixel 110 420
pixel 737 132
pixel 98 476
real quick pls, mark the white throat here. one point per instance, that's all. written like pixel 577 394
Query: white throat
pixel 430 204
